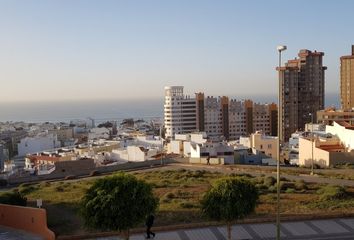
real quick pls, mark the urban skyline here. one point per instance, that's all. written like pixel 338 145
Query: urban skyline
pixel 120 47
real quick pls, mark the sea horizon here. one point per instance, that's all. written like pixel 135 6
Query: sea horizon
pixel 105 110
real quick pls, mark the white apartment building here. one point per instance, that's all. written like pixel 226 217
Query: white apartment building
pixel 219 117
pixel 179 112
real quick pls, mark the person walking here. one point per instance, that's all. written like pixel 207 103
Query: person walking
pixel 208 160
pixel 149 222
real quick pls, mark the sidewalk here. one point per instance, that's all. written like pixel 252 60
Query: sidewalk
pixel 15 234
pixel 316 229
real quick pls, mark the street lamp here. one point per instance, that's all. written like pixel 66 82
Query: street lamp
pixel 312 140
pixel 280 48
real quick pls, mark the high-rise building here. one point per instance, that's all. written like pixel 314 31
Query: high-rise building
pixel 220 117
pixel 302 91
pixel 179 112
pixel 347 81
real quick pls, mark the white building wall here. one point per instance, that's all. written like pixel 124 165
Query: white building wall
pixel 135 154
pixel 345 135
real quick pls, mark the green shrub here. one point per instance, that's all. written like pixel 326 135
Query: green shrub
pixel 285 185
pixel 300 185
pixel 26 189
pixel 269 181
pixel 332 193
pixel 272 189
pixel 170 195
pixel 290 190
pixel 13 198
pixel 186 205
pixel 59 189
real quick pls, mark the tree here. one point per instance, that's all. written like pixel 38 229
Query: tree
pixel 229 200
pixel 119 202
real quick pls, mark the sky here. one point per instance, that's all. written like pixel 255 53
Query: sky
pixel 85 49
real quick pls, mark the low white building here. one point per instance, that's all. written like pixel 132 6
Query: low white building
pixel 220 151
pixel 134 154
pixel 182 143
pixel 38 143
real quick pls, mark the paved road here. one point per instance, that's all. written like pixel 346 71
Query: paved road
pixel 334 229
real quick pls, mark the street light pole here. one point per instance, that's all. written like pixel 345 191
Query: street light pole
pixel 312 140
pixel 280 49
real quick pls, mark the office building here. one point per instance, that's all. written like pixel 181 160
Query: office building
pixel 347 81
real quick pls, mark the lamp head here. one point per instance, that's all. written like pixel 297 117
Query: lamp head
pixel 281 48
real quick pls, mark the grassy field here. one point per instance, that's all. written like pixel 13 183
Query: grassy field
pixel 181 190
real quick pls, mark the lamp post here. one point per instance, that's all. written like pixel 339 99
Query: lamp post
pixel 280 49
pixel 312 140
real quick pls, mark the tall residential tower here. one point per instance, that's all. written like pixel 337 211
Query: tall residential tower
pixel 347 81
pixel 302 91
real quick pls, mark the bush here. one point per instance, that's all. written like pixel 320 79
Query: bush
pixel 186 205
pixel 59 189
pixel 332 193
pixel 272 189
pixel 290 190
pixel 170 195
pixel 300 185
pixel 285 185
pixel 13 198
pixel 269 181
pixel 26 189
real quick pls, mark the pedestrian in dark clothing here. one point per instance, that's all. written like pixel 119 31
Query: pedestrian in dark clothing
pixel 208 160
pixel 149 222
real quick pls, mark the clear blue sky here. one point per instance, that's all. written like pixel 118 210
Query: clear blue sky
pixel 72 49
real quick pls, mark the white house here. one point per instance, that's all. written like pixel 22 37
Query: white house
pixel 37 144
pixel 221 151
pixel 344 131
pixel 134 154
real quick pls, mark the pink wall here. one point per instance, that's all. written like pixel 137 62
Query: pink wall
pixel 32 220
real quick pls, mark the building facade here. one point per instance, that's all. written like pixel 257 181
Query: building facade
pixel 179 112
pixel 302 91
pixel 220 118
pixel 347 81
pixel 330 115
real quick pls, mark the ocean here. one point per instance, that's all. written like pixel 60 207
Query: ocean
pixel 64 111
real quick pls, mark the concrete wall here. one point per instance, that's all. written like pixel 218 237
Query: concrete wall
pixel 212 161
pixel 135 154
pixel 32 220
pixel 86 169
pixel 176 147
pixel 320 157
pixel 341 158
